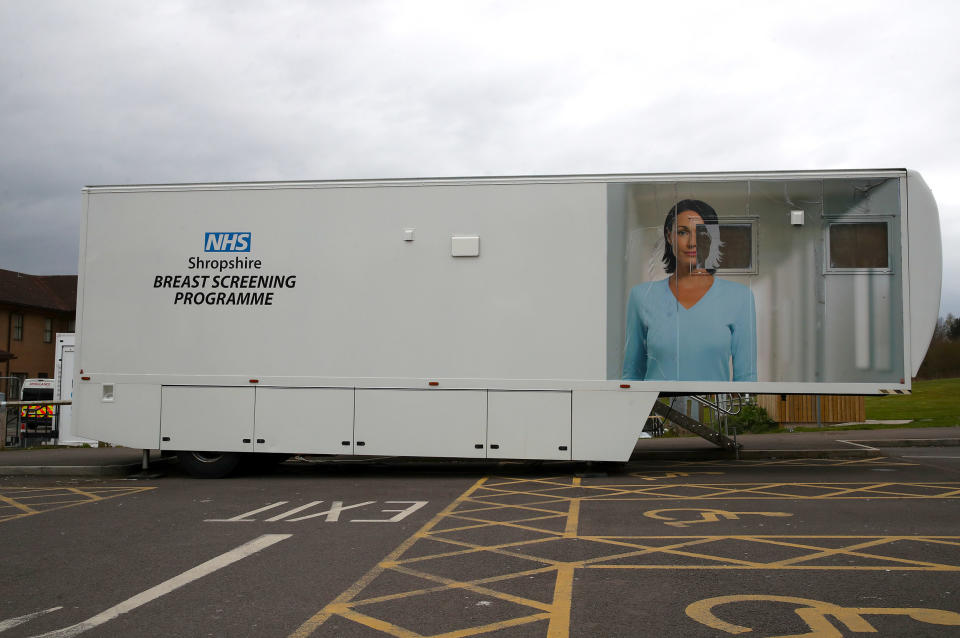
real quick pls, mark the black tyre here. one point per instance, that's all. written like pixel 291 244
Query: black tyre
pixel 209 464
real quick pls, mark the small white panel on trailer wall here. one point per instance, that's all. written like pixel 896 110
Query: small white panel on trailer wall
pixel 304 420
pixel 608 423
pixel 528 425
pixel 132 419
pixel 206 419
pixel 465 246
pixel 421 422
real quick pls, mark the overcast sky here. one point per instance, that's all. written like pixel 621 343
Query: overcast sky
pixel 99 92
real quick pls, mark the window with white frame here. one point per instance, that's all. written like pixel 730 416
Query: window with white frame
pixel 858 246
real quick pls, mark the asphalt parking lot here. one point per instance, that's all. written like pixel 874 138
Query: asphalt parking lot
pixel 819 547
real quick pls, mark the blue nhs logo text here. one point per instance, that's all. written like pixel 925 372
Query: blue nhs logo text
pixel 226 242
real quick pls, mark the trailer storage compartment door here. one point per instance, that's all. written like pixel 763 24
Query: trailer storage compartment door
pixel 207 419
pixel 421 422
pixel 528 425
pixel 304 420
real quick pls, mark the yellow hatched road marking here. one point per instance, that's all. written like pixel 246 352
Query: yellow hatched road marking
pixel 17 505
pixel 467 530
pixel 759 491
pixel 341 604
pixel 19 502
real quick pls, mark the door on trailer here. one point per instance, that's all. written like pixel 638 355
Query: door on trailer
pixel 449 423
pixel 304 420
pixel 205 419
pixel 528 425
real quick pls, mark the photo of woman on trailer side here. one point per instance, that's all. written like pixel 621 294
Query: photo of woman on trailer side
pixel 691 326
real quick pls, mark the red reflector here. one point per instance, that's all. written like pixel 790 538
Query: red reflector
pixel 624 385
pixel 254 380
pixel 84 378
pixel 433 383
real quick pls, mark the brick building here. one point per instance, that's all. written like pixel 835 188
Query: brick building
pixel 33 309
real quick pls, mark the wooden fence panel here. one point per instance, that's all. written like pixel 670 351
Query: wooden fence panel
pixel 802 408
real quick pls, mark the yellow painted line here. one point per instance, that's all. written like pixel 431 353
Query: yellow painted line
pixel 554 500
pixel 341 602
pixel 573 520
pixel 547 482
pixel 17 505
pixel 376 623
pixel 747 537
pixel 545 498
pixel 481 523
pixel 762 567
pixel 491 508
pixel 851 550
pixel 793 563
pixel 768 498
pixel 647 486
pixel 472 585
pixel 473 549
pixel 43 506
pixel 451 583
pixel 503 624
pixel 89 495
pixel 562 596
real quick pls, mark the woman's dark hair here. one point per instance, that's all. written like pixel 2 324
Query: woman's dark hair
pixel 703 209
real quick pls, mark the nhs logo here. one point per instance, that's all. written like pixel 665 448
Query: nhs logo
pixel 226 242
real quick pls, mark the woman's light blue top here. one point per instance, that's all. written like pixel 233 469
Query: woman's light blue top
pixel 668 342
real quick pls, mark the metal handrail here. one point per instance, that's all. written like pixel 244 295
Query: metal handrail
pixel 722 407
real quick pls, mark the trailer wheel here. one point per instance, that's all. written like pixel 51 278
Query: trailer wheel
pixel 209 464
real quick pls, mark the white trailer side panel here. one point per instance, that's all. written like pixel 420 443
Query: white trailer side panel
pixel 366 302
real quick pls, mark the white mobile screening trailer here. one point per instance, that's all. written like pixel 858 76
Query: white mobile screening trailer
pixel 479 317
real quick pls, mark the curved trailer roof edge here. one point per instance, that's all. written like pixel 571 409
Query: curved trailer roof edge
pixel 925 267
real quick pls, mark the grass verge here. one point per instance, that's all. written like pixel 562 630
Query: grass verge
pixel 934 403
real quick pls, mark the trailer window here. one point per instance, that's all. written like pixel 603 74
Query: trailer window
pixel 858 246
pixel 737 252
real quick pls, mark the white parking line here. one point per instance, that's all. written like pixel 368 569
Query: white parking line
pixel 923 456
pixel 212 565
pixel 869 447
pixel 19 620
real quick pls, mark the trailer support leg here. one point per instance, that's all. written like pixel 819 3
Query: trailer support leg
pixel 145 464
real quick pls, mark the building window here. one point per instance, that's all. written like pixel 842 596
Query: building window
pixel 48 330
pixel 17 327
pixel 43 375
